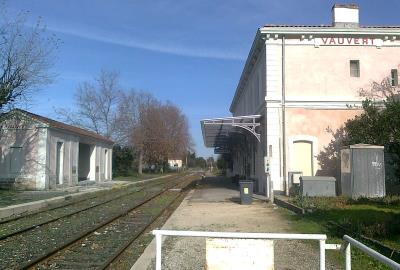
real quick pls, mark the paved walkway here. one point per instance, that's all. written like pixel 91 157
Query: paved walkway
pixel 214 206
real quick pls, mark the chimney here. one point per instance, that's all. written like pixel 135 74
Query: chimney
pixel 345 15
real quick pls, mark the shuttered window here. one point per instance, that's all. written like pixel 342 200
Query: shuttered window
pixel 354 68
pixel 394 77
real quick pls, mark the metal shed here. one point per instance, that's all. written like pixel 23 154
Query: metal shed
pixel 363 171
pixel 318 186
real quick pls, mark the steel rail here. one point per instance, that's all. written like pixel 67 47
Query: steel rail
pixel 31 227
pixel 121 250
pixel 45 209
pixel 85 233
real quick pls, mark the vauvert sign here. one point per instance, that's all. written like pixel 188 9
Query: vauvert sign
pixel 345 41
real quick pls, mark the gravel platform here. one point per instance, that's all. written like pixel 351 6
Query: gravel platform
pixel 214 206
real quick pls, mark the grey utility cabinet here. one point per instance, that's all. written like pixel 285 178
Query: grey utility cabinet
pixel 363 171
pixel 318 186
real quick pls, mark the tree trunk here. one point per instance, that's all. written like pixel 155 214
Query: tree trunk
pixel 140 166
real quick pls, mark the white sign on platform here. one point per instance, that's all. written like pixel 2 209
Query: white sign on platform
pixel 239 254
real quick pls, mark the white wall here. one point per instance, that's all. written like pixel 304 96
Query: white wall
pixel 26 138
pixel 172 162
pixel 71 157
pixel 37 146
pixel 252 97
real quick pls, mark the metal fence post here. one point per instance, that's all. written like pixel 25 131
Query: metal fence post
pixel 158 251
pixel 322 254
pixel 348 257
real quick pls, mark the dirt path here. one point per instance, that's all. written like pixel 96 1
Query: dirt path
pixel 215 208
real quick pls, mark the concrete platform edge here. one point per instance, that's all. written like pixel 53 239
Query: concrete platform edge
pixel 31 207
pixel 289 206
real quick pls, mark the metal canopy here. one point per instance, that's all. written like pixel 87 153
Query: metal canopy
pixel 216 132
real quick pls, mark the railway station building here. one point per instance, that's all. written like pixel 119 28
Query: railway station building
pixel 299 81
pixel 38 153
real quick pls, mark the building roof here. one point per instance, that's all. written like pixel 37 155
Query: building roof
pixel 329 26
pixel 65 127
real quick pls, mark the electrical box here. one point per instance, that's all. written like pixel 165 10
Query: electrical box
pixel 318 186
pixel 267 164
pixel 363 171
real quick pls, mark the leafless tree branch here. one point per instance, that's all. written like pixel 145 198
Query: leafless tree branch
pixel 26 55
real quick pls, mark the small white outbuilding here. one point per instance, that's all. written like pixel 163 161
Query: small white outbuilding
pixel 38 153
pixel 175 163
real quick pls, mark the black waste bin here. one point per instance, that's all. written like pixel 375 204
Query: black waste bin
pixel 246 191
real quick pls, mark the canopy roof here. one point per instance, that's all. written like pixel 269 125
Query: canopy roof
pixel 216 132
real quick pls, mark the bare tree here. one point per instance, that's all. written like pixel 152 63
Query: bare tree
pixel 133 121
pixel 96 105
pixel 155 130
pixel 380 90
pixel 177 131
pixel 166 133
pixel 26 55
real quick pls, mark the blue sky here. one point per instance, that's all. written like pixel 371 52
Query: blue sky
pixel 189 52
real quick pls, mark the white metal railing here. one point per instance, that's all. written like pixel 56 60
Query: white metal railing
pixel 348 241
pixel 346 246
pixel 271 236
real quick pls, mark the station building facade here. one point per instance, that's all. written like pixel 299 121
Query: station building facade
pixel 38 153
pixel 298 82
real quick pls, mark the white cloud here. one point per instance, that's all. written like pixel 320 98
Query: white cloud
pixel 175 49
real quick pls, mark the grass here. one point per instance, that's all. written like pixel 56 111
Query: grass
pixel 377 218
pixel 303 224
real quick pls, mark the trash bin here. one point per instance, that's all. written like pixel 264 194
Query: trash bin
pixel 246 191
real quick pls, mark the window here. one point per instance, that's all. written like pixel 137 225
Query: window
pixel 354 68
pixel 394 77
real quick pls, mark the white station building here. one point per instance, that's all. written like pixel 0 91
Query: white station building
pixel 298 82
pixel 38 153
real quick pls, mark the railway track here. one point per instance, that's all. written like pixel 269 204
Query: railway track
pixel 99 249
pixel 72 202
pixel 36 246
pixel 28 222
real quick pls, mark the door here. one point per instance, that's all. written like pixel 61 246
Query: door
pixel 59 163
pixel 16 160
pixel 302 157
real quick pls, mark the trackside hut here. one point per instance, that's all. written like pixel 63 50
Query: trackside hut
pixel 38 153
pixel 297 82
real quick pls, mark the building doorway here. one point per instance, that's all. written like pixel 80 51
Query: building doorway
pixel 303 157
pixel 85 162
pixel 59 162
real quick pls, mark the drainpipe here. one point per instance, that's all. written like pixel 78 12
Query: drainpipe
pixel 284 119
pixel 269 190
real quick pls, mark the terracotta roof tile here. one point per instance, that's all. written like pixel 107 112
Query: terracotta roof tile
pixel 62 126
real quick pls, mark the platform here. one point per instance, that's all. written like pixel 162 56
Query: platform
pixel 14 203
pixel 214 206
